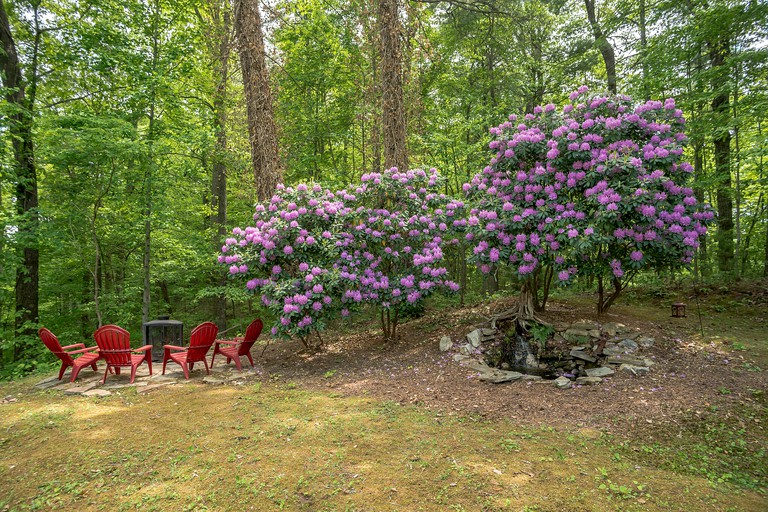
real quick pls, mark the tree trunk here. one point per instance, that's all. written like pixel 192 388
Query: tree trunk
pixel 602 43
pixel 698 191
pixel 20 123
pixel 392 104
pixel 719 50
pixel 219 47
pixel 644 51
pixel 262 130
pixel 146 297
pixel 604 303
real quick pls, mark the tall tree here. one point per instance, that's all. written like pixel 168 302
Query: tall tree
pixel 602 43
pixel 258 96
pixel 217 27
pixel 393 107
pixel 20 95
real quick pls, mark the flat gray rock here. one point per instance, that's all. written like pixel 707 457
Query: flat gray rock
pixel 603 371
pixel 634 370
pixel 629 346
pixel 613 328
pixel 588 381
pixel 500 376
pixel 212 380
pixel 76 390
pixel 633 360
pixel 580 354
pixel 563 382
pixel 445 344
pixel 475 337
pixel 460 357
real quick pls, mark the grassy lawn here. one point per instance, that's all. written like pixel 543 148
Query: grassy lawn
pixel 274 445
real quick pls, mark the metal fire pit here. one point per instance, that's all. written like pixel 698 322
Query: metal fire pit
pixel 162 332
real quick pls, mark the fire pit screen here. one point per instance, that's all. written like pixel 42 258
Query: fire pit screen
pixel 163 332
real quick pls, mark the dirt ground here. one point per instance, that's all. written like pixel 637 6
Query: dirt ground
pixel 692 376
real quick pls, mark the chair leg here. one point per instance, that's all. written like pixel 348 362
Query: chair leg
pixel 207 370
pixel 215 351
pixel 133 372
pixel 75 371
pixel 107 371
pixel 236 359
pixel 186 371
pixel 165 361
pixel 94 367
pixel 148 359
pixel 63 368
pixel 248 354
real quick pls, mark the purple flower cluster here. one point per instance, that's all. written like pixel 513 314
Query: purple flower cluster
pixel 597 188
pixel 313 254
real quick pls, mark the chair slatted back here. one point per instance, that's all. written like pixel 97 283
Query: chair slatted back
pixel 52 342
pixel 114 344
pixel 200 341
pixel 252 334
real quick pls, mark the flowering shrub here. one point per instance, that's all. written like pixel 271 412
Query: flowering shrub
pixel 288 256
pixel 314 254
pixel 598 188
pixel 392 255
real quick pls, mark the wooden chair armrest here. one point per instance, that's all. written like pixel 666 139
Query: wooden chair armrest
pixel 143 349
pixel 78 345
pixel 83 350
pixel 173 347
pixel 227 342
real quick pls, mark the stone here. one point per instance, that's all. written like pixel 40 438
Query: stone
pixel 475 337
pixel 633 360
pixel 563 383
pixel 629 346
pixel 588 381
pixel 212 380
pixel 603 371
pixel 611 349
pixel 48 383
pixel 580 354
pixel 460 357
pixel 489 333
pixel 498 376
pixel 159 377
pixel 78 389
pixel 478 366
pixel 646 341
pixel 466 349
pixel 96 392
pixel 532 378
pixel 445 344
pixel 634 370
pixel 585 325
pixel 613 328
pixel 594 333
pixel 579 336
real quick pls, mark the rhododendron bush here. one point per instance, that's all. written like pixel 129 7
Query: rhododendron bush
pixel 598 188
pixel 315 254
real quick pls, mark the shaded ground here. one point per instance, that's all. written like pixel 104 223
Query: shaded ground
pixel 692 377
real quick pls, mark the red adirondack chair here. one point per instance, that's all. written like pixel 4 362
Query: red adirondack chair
pixel 115 348
pixel 232 350
pixel 88 358
pixel 200 341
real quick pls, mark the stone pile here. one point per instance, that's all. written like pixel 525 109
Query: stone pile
pixel 592 352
